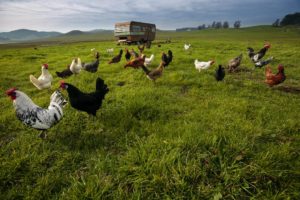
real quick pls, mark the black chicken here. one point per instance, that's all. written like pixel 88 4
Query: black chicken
pixel 117 58
pixel 65 73
pixel 255 57
pixel 93 66
pixel 220 73
pixel 167 59
pixel 88 102
pixel 127 55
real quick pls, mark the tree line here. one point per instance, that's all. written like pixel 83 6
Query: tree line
pixel 219 24
pixel 289 19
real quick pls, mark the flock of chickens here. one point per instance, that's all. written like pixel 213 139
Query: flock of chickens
pixel 233 65
pixel 44 118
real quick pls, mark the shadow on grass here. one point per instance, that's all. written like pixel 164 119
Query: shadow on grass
pixel 288 89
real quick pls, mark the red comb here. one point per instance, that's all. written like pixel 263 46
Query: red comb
pixel 10 91
pixel 45 65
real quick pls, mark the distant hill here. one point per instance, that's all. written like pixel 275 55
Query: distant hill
pixel 25 34
pixel 74 32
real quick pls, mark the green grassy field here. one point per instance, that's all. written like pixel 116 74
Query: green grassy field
pixel 184 137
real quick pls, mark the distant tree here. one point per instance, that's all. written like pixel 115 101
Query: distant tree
pixel 226 24
pixel 213 25
pixel 201 27
pixel 276 23
pixel 291 19
pixel 209 26
pixel 218 25
pixel 237 24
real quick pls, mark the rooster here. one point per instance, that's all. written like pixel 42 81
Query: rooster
pixel 76 66
pixel 255 57
pixel 117 58
pixel 127 55
pixel 187 46
pixel 200 65
pixel 148 61
pixel 274 79
pixel 136 63
pixel 65 73
pixel 262 63
pixel 167 59
pixel 93 66
pixel 220 73
pixel 154 74
pixel 44 80
pixel 234 63
pixel 34 116
pixel 87 102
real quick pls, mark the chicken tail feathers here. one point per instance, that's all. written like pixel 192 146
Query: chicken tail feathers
pixel 58 98
pixel 101 86
pixel 35 82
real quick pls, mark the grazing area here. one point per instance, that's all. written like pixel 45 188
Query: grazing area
pixel 184 136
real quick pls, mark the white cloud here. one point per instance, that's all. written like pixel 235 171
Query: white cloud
pixel 65 15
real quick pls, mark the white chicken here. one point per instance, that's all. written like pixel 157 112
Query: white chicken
pixel 199 65
pixel 187 46
pixel 44 80
pixel 34 116
pixel 76 66
pixel 110 51
pixel 148 61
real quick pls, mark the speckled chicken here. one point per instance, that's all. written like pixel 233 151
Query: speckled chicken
pixel 92 66
pixel 234 63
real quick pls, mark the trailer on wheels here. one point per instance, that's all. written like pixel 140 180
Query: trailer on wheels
pixel 135 33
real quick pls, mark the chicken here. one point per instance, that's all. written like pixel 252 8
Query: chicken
pixel 87 102
pixel 200 65
pixel 262 63
pixel 141 48
pixel 34 116
pixel 136 63
pixel 134 54
pixel 255 57
pixel 167 59
pixel 154 74
pixel 117 58
pixel 220 73
pixel 148 61
pixel 127 55
pixel 187 46
pixel 234 63
pixel 92 66
pixel 110 51
pixel 65 73
pixel 44 80
pixel 274 79
pixel 76 66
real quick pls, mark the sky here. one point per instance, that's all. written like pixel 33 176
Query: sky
pixel 67 15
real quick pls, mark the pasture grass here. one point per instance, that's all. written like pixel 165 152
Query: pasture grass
pixel 184 137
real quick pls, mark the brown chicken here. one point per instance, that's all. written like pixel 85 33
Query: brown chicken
pixel 233 64
pixel 141 48
pixel 136 63
pixel 155 73
pixel 134 54
pixel 274 79
pixel 117 58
